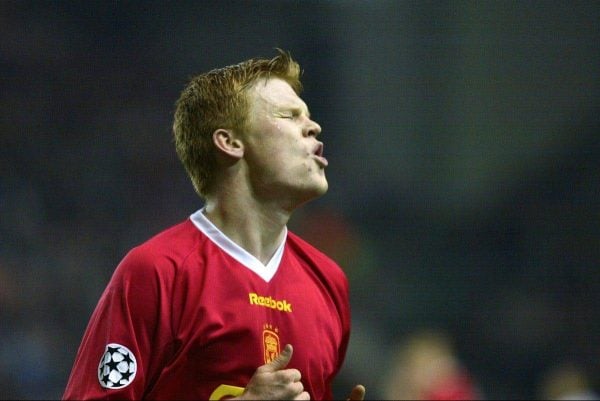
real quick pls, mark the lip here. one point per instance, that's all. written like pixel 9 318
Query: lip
pixel 321 160
pixel 318 155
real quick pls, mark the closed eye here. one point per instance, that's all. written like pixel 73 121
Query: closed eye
pixel 290 114
pixel 285 115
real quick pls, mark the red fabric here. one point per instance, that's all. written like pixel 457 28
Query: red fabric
pixel 183 307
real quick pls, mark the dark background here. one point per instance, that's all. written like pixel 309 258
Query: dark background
pixel 464 169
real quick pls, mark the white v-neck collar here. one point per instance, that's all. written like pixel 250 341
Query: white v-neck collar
pixel 266 272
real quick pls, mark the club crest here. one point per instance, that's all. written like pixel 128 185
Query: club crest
pixel 271 344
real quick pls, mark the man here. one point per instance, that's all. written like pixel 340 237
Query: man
pixel 228 303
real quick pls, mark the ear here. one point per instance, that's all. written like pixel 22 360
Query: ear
pixel 226 141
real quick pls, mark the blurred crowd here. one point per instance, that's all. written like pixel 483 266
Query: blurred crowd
pixel 420 357
pixel 472 249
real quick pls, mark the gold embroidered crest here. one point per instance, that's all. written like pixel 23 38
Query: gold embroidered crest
pixel 271 344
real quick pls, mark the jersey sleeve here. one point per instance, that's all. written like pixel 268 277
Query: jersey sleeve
pixel 129 335
pixel 343 305
pixel 345 316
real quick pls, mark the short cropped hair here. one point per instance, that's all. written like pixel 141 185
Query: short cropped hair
pixel 218 99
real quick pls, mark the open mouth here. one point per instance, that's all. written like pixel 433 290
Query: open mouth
pixel 318 154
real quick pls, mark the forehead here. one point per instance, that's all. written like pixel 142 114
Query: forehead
pixel 274 92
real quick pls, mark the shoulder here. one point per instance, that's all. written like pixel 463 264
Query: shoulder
pixel 316 258
pixel 162 254
pixel 326 271
pixel 310 250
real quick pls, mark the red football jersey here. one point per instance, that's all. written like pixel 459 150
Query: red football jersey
pixel 190 315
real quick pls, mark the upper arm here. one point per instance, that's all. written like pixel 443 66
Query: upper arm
pixel 132 313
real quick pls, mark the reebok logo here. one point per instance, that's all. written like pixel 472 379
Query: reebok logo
pixel 269 302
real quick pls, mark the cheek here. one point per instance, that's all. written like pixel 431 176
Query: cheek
pixel 309 166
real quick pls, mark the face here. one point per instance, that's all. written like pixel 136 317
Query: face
pixel 284 157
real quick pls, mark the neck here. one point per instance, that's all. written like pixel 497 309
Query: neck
pixel 258 228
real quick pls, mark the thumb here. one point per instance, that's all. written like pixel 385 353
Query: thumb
pixel 281 361
pixel 358 393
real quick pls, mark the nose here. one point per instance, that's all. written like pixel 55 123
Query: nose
pixel 312 128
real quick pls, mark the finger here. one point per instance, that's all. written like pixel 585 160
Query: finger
pixel 281 361
pixel 303 396
pixel 296 389
pixel 289 375
pixel 358 393
pixel 284 376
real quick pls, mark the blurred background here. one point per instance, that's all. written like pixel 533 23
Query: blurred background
pixel 464 202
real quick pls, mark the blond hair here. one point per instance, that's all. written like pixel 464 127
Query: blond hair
pixel 218 99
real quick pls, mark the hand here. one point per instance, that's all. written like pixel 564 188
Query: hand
pixel 358 393
pixel 273 382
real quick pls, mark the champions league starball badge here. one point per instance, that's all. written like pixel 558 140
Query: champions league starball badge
pixel 117 367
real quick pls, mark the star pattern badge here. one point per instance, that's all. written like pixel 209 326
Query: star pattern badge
pixel 117 367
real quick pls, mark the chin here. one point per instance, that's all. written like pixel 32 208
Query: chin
pixel 319 190
pixel 324 188
pixel 308 194
pixel 320 185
